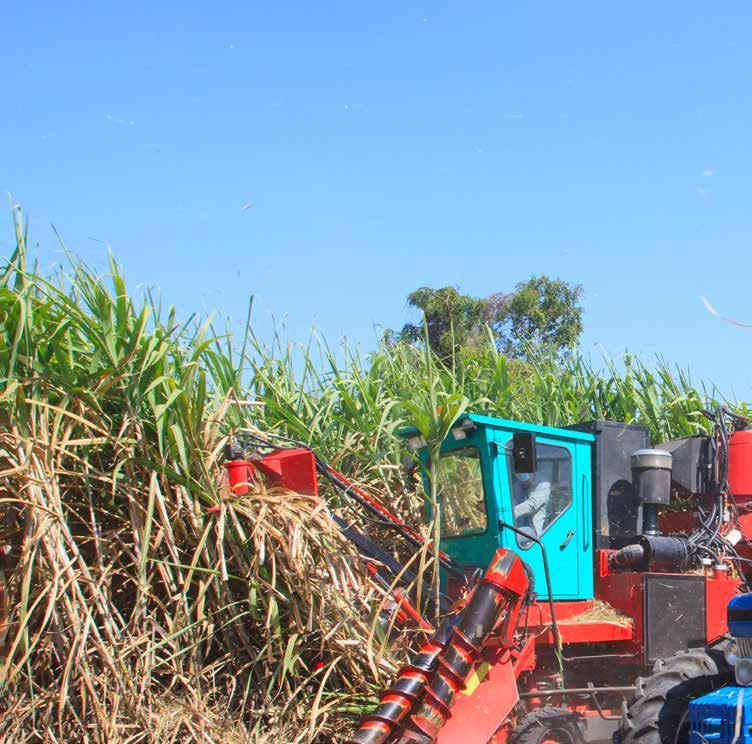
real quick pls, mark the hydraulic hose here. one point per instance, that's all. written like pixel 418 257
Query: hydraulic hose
pixel 547 574
pixel 630 556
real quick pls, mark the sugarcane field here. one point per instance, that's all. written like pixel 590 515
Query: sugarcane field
pixel 375 374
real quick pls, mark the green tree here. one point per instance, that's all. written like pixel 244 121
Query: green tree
pixel 541 312
pixel 452 320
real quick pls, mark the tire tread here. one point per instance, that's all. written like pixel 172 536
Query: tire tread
pixel 650 715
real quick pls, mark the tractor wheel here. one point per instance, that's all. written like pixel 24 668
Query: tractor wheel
pixel 547 726
pixel 659 711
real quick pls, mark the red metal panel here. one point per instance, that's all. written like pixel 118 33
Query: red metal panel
pixel 478 713
pixel 624 592
pixel 539 617
pixel 525 659
pixel 718 592
pixel 594 633
pixel 740 464
pixel 293 468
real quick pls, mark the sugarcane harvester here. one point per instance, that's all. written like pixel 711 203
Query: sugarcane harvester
pixel 584 577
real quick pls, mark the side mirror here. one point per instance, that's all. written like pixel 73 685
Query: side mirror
pixel 523 452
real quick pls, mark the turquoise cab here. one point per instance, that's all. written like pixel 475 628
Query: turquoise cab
pixel 482 495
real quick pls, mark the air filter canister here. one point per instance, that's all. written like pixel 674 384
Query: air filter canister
pixel 651 476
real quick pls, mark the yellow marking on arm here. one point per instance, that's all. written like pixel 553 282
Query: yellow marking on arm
pixel 480 673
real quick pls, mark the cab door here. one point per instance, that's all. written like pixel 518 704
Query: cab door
pixel 555 506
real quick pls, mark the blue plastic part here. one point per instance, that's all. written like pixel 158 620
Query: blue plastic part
pixel 568 540
pixel 713 717
pixel 740 616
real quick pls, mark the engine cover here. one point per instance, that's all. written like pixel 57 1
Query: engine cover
pixel 722 717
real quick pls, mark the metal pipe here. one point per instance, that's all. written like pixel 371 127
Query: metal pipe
pixel 601 713
pixel 591 692
pixel 528 536
pixel 596 657
pixel 575 691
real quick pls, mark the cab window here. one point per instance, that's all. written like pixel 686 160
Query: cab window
pixel 460 492
pixel 539 498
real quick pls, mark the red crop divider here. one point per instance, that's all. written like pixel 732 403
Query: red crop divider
pixel 399 699
pixel 493 609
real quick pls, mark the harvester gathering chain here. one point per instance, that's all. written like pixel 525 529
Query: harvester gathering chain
pixel 429 686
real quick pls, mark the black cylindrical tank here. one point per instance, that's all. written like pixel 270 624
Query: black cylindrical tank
pixel 664 553
pixel 651 477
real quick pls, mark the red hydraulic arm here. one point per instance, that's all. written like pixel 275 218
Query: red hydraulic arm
pixel 298 469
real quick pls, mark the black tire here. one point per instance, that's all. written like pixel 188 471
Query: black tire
pixel 658 713
pixel 547 724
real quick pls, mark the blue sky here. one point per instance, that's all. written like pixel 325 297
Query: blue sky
pixel 386 146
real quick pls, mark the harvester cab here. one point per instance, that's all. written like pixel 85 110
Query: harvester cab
pixel 502 484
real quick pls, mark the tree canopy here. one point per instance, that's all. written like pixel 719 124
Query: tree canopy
pixel 539 312
pixel 452 320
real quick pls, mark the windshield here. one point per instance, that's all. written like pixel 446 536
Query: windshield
pixel 460 491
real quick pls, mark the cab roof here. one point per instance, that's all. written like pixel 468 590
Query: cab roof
pixel 500 423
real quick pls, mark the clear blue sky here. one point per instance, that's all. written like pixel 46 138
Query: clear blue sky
pixel 385 146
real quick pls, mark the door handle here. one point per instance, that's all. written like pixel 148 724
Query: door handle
pixel 587 505
pixel 567 540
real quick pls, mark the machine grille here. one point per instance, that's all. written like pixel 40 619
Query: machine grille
pixel 674 614
pixel 744 647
